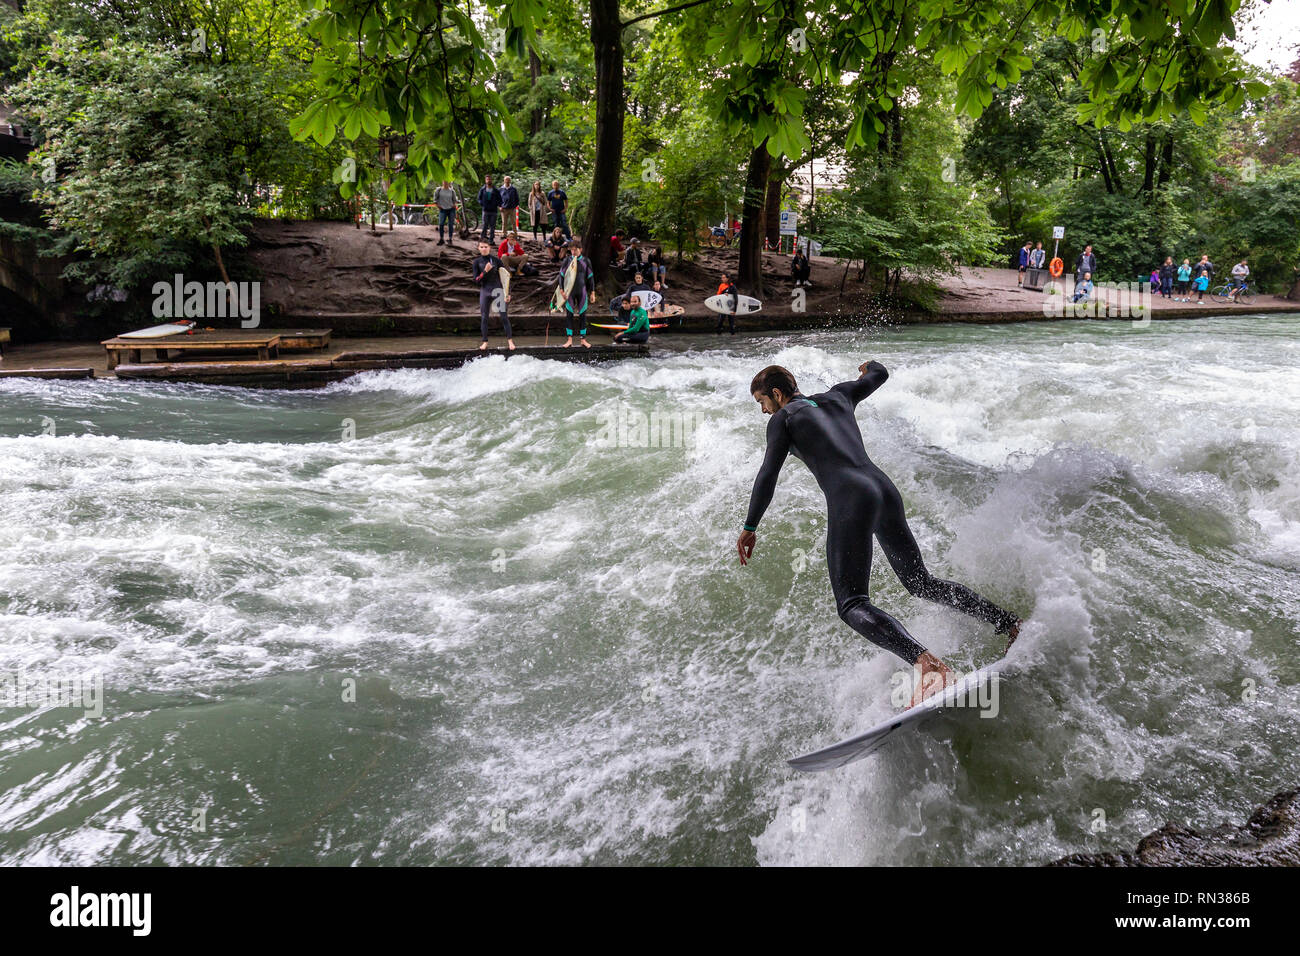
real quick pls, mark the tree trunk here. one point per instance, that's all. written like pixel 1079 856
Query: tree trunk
pixel 534 73
pixel 607 39
pixel 750 277
pixel 1149 168
pixel 1108 159
pixel 812 193
pixel 1166 161
pixel 772 209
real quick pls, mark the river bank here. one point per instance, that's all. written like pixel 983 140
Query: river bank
pixel 88 359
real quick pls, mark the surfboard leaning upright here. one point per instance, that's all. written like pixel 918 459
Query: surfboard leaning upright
pixel 966 689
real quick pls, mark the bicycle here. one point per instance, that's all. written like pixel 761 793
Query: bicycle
pixel 717 237
pixel 1224 294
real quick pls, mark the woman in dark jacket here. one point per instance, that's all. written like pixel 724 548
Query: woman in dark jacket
pixel 1167 277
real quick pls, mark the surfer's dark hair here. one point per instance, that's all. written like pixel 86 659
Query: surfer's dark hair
pixel 774 376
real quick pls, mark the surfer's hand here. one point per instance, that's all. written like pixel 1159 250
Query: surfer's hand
pixel 745 545
pixel 863 368
pixel 935 675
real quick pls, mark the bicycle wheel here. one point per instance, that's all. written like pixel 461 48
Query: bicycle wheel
pixel 1246 298
pixel 1220 295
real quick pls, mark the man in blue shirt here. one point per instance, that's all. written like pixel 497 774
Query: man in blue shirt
pixel 509 206
pixel 559 201
pixel 489 200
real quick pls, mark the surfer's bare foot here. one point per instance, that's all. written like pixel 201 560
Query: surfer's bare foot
pixel 511 344
pixel 482 347
pixel 935 675
pixel 586 344
pixel 567 345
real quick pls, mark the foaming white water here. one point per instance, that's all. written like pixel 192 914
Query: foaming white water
pixel 575 667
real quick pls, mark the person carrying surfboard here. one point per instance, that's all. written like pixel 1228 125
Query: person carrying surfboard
pixel 727 288
pixel 573 288
pixel 861 500
pixel 493 286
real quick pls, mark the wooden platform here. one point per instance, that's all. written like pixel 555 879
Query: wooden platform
pixel 308 373
pixel 267 343
pixel 47 373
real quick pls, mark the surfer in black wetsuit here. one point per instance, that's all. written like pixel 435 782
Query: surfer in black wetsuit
pixel 822 431
pixel 487 273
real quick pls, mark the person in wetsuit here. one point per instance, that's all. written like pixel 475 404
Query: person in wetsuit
pixel 638 325
pixel 487 273
pixel 861 500
pixel 727 287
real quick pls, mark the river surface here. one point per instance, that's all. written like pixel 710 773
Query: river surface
pixel 477 617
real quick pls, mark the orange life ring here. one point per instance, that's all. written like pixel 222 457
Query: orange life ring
pixel 1056 267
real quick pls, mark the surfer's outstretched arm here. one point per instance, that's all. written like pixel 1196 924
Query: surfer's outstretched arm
pixel 778 447
pixel 873 376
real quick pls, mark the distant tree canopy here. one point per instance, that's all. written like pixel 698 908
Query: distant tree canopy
pixel 960 127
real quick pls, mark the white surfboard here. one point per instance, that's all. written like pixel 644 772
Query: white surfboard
pixel 977 690
pixel 650 299
pixel 159 331
pixel 498 301
pixel 722 303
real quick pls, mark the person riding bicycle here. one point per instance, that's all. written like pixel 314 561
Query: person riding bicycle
pixel 1240 272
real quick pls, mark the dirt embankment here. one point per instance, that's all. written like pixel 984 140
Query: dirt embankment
pixel 401 280
pixel 324 268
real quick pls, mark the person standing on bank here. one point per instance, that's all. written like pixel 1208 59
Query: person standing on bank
pixel 573 288
pixel 493 286
pixel 800 267
pixel 444 198
pixel 559 201
pixel 537 209
pixel 1087 262
pixel 1037 256
pixel 509 207
pixel 489 200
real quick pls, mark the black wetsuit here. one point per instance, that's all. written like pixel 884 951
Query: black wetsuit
pixel 489 287
pixel 822 431
pixel 733 301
